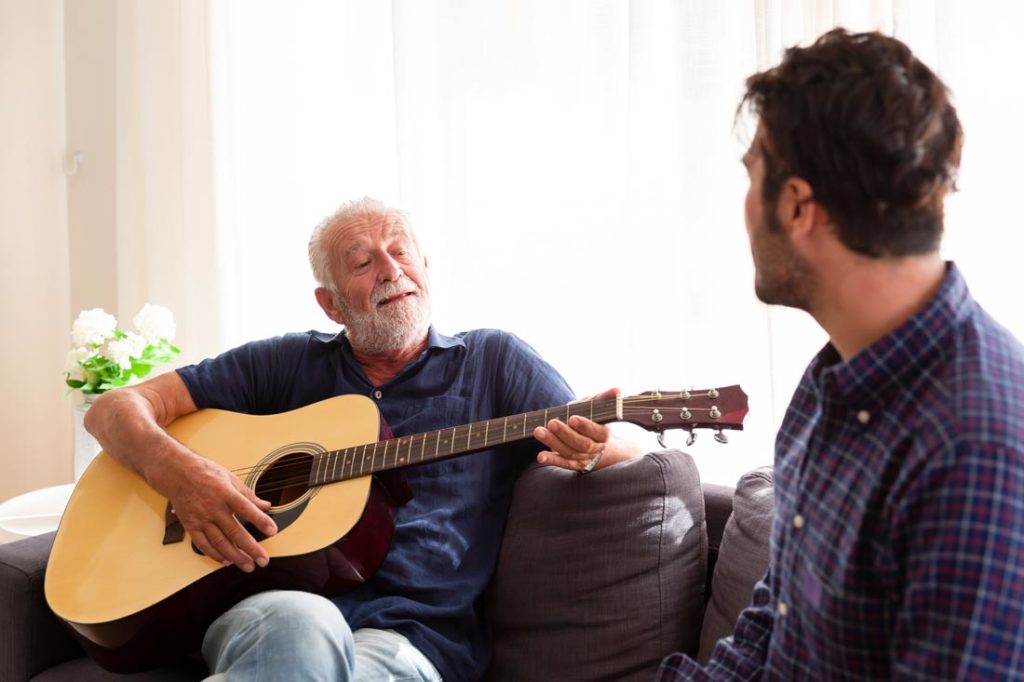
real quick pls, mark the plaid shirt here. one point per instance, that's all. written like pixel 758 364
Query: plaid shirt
pixel 898 539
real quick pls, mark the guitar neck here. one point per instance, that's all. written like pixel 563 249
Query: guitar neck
pixel 363 460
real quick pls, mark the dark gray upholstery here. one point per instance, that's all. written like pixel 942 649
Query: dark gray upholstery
pixel 34 645
pixel 600 575
pixel 742 557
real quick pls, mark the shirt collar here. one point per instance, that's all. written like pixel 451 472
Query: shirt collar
pixel 435 339
pixel 892 360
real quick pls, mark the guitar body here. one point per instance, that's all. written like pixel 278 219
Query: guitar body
pixel 115 581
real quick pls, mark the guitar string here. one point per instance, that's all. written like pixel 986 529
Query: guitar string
pixel 304 467
pixel 302 470
pixel 342 454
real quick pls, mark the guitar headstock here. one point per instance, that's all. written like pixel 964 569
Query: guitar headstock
pixel 713 408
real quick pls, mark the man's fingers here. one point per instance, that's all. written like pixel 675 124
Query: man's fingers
pixel 554 459
pixel 580 436
pixel 204 546
pixel 551 440
pixel 254 510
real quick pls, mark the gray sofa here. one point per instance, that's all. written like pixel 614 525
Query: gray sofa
pixel 599 577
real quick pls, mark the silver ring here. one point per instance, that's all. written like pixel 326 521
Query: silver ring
pixel 592 463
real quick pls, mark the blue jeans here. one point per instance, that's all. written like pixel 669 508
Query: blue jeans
pixel 288 635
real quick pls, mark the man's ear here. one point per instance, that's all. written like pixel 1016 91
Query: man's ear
pixel 329 303
pixel 799 213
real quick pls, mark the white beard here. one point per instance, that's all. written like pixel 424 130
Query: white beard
pixel 393 327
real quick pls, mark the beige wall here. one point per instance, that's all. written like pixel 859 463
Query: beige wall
pixel 123 83
pixel 90 66
pixel 35 418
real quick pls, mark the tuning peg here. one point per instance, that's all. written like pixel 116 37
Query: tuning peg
pixel 721 437
pixel 691 439
pixel 661 439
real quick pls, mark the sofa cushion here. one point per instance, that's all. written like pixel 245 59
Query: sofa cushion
pixel 742 557
pixel 601 575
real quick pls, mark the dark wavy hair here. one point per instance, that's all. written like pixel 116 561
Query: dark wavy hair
pixel 871 129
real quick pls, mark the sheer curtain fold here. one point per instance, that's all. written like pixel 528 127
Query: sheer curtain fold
pixel 166 241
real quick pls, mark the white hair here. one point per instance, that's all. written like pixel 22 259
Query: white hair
pixel 365 208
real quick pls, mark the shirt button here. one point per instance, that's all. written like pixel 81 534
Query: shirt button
pixel 863 416
pixel 377 394
pixel 782 608
pixel 798 521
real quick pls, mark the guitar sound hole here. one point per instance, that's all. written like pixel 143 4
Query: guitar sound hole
pixel 286 480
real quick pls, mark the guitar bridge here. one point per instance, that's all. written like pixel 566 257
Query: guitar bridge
pixel 173 530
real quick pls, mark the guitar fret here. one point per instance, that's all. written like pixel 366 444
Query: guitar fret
pixel 452 450
pixel 319 475
pixel 423 444
pixel 437 444
pixel 487 427
pixel 362 463
pixel 469 436
pixel 504 431
pixel 350 455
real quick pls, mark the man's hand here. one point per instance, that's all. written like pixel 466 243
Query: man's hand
pixel 576 444
pixel 207 498
pixel 209 501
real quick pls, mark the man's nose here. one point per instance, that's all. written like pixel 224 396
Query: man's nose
pixel 390 270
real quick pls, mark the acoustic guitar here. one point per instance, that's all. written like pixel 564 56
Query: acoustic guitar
pixel 125 577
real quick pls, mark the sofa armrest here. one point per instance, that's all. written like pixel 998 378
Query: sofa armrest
pixel 32 639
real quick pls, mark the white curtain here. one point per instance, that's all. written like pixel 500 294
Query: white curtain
pixel 165 239
pixel 572 168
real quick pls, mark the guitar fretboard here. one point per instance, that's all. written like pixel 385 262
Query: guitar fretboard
pixel 363 460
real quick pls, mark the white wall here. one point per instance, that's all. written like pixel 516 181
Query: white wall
pixel 35 418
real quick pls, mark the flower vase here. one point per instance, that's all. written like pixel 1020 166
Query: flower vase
pixel 86 447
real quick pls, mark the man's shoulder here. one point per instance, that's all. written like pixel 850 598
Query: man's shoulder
pixel 491 341
pixel 293 341
pixel 974 398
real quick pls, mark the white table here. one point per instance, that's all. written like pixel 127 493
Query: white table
pixel 34 512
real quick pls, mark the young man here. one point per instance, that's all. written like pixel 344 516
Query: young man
pixel 418 617
pixel 899 525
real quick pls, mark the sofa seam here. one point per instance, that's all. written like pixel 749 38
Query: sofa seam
pixel 661 551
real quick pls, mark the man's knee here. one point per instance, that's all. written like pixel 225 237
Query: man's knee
pixel 274 626
pixel 298 615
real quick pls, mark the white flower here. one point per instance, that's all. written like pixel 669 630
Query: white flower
pixel 155 322
pixel 120 352
pixel 93 327
pixel 76 356
pixel 104 357
pixel 137 344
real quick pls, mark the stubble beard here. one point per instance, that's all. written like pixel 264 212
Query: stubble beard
pixel 781 275
pixel 392 327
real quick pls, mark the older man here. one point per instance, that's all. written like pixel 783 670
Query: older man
pixel 899 522
pixel 418 617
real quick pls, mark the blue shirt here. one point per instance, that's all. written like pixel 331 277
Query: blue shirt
pixel 898 539
pixel 447 537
